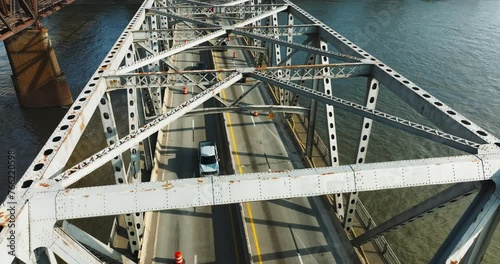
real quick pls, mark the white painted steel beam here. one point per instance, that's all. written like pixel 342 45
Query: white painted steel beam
pixel 145 61
pixel 226 189
pixel 400 123
pixel 330 54
pixel 478 215
pixel 260 16
pixel 84 238
pixel 71 250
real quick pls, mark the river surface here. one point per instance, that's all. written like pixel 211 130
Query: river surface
pixel 449 48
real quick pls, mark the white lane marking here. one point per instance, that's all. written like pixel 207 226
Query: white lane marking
pixel 253 121
pixel 195 259
pixel 192 127
pixel 277 138
pixel 243 90
pixel 192 87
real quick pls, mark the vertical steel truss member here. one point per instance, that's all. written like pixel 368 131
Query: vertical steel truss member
pixel 289 38
pixel 134 222
pixel 164 25
pixel 146 143
pixel 332 129
pixel 311 124
pixel 309 61
pixel 366 127
pixel 468 240
pixel 148 100
pixel 155 92
pixel 277 53
pixel 258 23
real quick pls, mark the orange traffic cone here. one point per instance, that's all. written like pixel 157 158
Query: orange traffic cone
pixel 185 90
pixel 178 257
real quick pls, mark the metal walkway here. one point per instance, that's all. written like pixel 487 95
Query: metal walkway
pixel 285 50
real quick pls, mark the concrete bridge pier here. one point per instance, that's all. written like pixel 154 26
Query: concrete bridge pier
pixel 37 78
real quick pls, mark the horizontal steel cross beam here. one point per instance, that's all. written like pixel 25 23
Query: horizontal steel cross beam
pixel 296 73
pixel 204 191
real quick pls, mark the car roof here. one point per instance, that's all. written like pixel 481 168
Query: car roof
pixel 207 151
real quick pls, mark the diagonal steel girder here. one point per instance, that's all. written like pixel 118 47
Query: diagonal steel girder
pixel 451 194
pixel 317 51
pixel 261 16
pixel 400 123
pixel 85 167
pixel 169 52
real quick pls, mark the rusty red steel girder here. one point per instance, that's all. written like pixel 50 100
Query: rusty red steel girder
pixel 16 15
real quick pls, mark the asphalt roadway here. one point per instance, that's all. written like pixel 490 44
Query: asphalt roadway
pixel 280 231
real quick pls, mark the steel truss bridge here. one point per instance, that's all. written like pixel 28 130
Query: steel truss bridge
pixel 139 64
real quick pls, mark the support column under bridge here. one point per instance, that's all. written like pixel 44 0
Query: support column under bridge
pixel 37 78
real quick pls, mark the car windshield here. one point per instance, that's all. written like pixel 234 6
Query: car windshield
pixel 207 159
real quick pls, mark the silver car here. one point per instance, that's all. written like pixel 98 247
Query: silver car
pixel 208 158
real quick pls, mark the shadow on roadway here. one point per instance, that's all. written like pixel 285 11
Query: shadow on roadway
pixel 188 213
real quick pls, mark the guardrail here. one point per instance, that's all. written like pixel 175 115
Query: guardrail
pixel 380 243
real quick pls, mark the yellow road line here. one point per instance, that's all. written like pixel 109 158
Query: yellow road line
pixel 234 234
pixel 252 224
